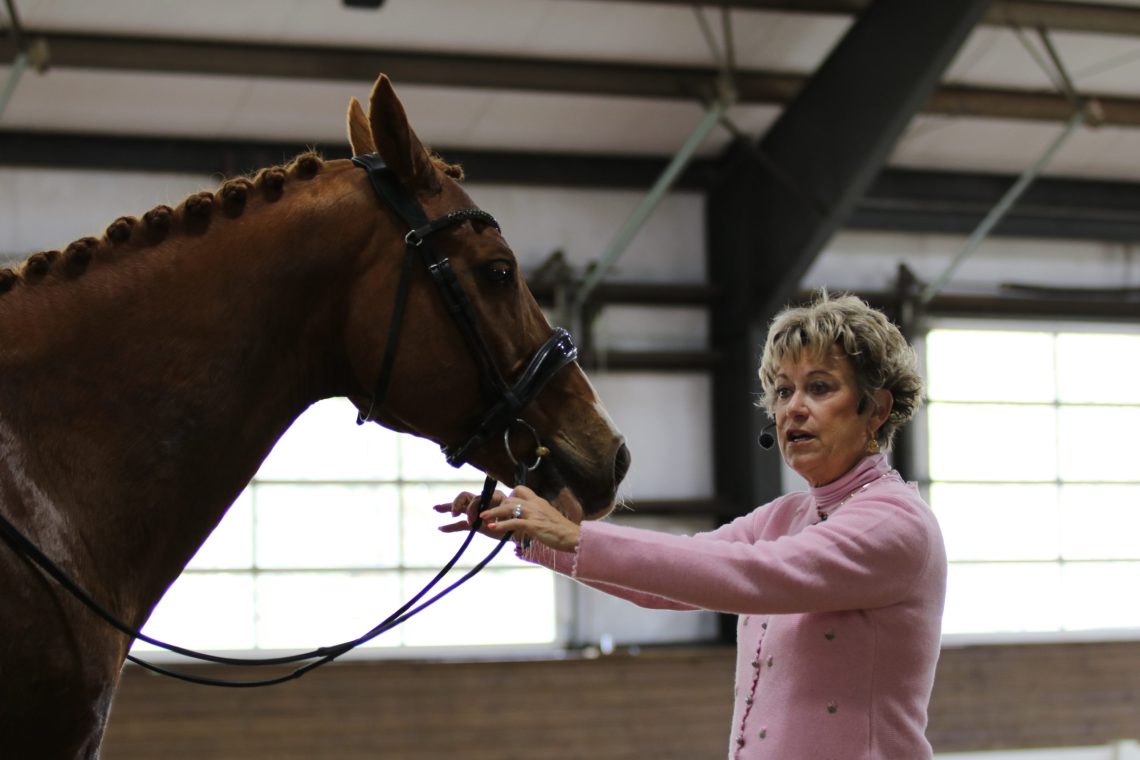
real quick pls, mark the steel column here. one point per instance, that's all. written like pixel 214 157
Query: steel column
pixel 780 200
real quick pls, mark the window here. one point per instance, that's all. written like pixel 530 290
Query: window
pixel 334 533
pixel 1034 473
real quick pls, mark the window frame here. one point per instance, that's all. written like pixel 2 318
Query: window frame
pixel 917 441
pixel 400 481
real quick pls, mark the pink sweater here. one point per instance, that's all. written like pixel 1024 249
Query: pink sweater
pixel 840 618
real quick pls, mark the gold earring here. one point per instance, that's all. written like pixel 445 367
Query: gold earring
pixel 873 445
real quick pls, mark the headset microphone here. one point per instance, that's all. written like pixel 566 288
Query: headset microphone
pixel 767 440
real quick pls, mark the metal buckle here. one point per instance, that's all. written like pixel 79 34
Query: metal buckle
pixel 539 450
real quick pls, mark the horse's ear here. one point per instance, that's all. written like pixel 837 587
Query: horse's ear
pixel 397 144
pixel 359 131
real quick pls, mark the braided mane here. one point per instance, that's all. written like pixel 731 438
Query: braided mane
pixel 191 217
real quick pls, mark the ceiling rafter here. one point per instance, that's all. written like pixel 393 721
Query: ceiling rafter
pixel 211 57
pixel 1098 18
pixel 905 200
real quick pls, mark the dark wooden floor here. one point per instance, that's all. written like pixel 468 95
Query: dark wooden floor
pixel 659 704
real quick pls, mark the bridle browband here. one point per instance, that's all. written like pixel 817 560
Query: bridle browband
pixel 556 352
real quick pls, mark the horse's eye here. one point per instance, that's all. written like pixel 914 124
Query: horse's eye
pixel 499 273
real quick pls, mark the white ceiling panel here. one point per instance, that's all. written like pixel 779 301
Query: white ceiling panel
pixel 1097 64
pixel 613 31
pixel 133 104
pixel 1011 146
pixel 306 111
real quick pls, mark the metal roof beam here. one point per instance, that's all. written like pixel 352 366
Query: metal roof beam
pixel 216 58
pixel 924 201
pixel 901 200
pixel 1097 18
pixel 781 199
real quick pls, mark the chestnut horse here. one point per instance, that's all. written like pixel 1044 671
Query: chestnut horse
pixel 145 375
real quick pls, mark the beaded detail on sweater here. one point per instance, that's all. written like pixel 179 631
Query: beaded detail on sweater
pixel 823 513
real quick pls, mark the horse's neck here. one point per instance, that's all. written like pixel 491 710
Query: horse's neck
pixel 139 399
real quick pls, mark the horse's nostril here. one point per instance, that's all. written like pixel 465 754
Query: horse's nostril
pixel 621 464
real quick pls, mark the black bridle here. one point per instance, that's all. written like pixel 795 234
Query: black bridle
pixel 555 353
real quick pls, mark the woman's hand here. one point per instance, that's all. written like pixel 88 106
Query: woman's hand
pixel 467 504
pixel 537 519
pixel 528 514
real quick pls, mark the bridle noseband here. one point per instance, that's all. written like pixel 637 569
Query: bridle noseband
pixel 555 353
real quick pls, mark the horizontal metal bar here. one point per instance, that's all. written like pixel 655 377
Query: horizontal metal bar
pixel 83 150
pixel 1052 404
pixel 905 200
pixel 1013 307
pixel 246 59
pixel 1102 18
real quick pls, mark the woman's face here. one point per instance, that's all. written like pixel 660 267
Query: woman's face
pixel 821 432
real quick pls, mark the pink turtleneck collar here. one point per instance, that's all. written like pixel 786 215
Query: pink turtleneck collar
pixel 866 471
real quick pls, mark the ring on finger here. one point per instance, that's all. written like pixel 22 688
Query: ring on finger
pixel 517 513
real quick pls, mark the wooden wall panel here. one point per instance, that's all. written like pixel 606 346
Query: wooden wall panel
pixel 662 704
pixel 659 704
pixel 1035 696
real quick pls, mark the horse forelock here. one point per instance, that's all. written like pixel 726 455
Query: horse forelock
pixel 455 171
pixel 191 217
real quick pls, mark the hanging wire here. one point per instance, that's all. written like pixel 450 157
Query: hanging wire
pixel 710 38
pixel 729 47
pixel 1054 68
pixel 725 61
pixel 17 30
pixel 1052 65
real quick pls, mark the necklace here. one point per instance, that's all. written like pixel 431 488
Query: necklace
pixel 824 515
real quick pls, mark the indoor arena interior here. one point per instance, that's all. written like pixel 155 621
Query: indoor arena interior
pixel 281 279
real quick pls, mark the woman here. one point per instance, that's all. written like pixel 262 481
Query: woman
pixel 839 589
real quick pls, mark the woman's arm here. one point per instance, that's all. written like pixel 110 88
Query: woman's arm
pixel 563 563
pixel 867 555
pixel 540 516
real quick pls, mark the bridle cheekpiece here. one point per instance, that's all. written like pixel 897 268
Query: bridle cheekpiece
pixel 555 353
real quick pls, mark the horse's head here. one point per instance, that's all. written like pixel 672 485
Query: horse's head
pixel 440 385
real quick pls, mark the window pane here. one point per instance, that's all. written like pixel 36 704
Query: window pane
pixel 1079 500
pixel 307 610
pixel 1098 594
pixel 1100 521
pixel 1002 597
pixel 422 459
pixel 988 365
pixel 495 607
pixel 992 442
pixel 424 545
pixel 1099 443
pixel 325 444
pixel 997 522
pixel 230 546
pixel 1098 368
pixel 337 517
pixel 205 611
pixel 327 526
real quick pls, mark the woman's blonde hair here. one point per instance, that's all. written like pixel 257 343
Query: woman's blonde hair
pixel 880 354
